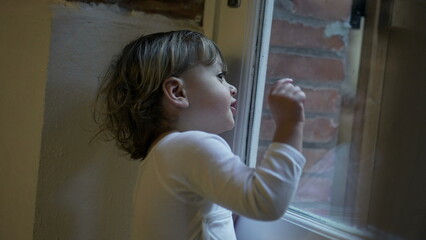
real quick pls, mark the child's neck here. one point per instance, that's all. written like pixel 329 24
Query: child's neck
pixel 161 136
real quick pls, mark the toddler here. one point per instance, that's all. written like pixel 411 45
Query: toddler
pixel 164 100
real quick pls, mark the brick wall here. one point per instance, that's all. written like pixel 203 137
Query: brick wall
pixel 308 43
pixel 182 9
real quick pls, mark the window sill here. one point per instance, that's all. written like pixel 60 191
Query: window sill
pixel 294 227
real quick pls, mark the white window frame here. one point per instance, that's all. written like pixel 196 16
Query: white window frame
pixel 236 30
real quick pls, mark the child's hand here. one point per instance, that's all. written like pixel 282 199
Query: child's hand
pixel 286 102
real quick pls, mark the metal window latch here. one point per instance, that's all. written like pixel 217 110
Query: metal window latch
pixel 234 3
pixel 358 11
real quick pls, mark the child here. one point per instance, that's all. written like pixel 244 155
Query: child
pixel 166 99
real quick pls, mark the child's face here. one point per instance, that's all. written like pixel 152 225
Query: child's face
pixel 212 106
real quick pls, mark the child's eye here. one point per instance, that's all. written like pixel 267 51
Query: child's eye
pixel 221 76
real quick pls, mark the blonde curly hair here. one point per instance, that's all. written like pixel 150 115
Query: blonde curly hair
pixel 128 106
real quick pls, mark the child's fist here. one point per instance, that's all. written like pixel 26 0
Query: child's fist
pixel 286 102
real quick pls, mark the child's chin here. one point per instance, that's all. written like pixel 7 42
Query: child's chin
pixel 230 127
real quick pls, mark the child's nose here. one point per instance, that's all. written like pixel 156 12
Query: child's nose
pixel 233 90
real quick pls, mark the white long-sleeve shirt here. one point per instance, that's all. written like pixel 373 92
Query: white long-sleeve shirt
pixel 191 181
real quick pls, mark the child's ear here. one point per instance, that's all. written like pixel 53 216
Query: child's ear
pixel 174 91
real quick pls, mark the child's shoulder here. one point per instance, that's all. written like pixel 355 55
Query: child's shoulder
pixel 192 140
pixel 180 149
pixel 193 136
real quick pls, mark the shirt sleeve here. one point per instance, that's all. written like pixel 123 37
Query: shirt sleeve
pixel 210 169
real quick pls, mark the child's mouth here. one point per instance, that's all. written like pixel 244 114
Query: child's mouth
pixel 234 108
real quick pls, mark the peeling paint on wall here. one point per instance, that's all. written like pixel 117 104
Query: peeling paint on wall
pixel 337 28
pixel 180 9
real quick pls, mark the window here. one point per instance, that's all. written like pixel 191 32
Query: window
pixel 314 44
pixel 317 47
pixel 363 149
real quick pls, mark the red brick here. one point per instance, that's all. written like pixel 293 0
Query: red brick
pixel 318 100
pixel 289 34
pixel 267 128
pixel 265 95
pixel 319 130
pixel 319 161
pixel 305 67
pixel 313 189
pixel 191 9
pixel 324 9
pixel 322 100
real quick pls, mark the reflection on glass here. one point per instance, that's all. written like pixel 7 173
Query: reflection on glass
pixel 364 136
pixel 319 50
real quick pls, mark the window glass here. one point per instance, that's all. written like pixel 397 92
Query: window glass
pixel 313 43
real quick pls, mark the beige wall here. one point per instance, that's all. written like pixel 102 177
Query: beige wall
pixel 54 184
pixel 24 47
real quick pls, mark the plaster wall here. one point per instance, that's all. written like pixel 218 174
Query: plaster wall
pixel 24 48
pixel 84 189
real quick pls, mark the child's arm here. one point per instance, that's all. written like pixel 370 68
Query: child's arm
pixel 286 104
pixel 212 171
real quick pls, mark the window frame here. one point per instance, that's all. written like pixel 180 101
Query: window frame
pixel 246 54
pixel 249 73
